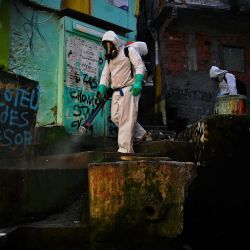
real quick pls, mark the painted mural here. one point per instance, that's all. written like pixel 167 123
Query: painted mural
pixel 18 110
pixel 84 64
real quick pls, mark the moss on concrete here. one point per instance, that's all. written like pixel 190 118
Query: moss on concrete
pixel 139 196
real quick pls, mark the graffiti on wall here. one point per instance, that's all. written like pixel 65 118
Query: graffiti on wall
pixel 79 105
pixel 18 109
pixel 84 59
pixel 178 93
pixel 84 64
pixel 190 102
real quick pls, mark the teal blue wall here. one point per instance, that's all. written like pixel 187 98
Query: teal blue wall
pixel 83 66
pixel 104 10
pixel 34 53
pixel 38 48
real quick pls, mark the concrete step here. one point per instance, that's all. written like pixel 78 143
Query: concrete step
pixel 34 188
pixel 176 150
pixel 75 228
pixel 65 230
pixel 70 236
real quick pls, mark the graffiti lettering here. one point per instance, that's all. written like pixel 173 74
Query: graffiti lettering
pixel 10 137
pixel 20 98
pixel 18 107
pixel 179 93
pixel 79 110
pixel 90 80
pixel 84 103
pixel 13 118
pixel 83 98
pixel 83 58
pixel 77 124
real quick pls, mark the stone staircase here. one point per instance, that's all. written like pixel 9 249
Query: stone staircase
pixel 45 195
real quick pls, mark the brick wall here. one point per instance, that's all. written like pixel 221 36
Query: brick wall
pixel 192 47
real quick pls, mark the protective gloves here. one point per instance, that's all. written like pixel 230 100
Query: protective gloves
pixel 101 92
pixel 137 86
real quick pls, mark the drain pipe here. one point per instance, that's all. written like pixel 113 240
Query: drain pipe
pixel 160 101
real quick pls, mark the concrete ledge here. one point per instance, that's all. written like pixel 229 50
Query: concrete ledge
pixel 176 150
pixel 32 189
pixel 139 196
pixel 224 138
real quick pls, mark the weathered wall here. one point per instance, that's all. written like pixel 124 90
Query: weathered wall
pixel 147 195
pixel 34 54
pixel 118 16
pixel 38 49
pixel 193 43
pixel 84 61
pixel 18 108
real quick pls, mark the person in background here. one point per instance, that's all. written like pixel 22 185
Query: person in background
pixel 226 81
pixel 127 89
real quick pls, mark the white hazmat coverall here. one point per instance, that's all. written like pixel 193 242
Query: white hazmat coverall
pixel 227 87
pixel 124 106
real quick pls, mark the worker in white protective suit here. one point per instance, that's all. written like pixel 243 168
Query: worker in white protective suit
pixel 127 88
pixel 226 81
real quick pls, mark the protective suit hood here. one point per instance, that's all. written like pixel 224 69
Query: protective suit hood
pixel 112 37
pixel 215 72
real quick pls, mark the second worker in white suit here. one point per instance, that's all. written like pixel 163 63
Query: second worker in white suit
pixel 127 88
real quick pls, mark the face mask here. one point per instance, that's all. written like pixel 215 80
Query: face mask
pixel 111 51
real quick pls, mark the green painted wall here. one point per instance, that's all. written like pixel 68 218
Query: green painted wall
pixel 4 33
pixel 83 66
pixel 39 51
pixel 106 11
pixel 34 53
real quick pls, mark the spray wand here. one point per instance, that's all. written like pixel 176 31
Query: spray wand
pixel 87 124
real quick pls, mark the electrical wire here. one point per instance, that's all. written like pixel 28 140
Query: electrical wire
pixel 46 20
pixel 31 25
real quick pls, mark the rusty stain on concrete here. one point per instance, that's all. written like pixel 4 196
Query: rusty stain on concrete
pixel 142 194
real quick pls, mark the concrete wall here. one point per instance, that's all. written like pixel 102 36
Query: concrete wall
pixel 37 49
pixel 193 43
pixel 109 12
pixel 18 108
pixel 83 66
pixel 34 53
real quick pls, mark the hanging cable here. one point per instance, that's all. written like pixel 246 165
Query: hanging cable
pixel 31 25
